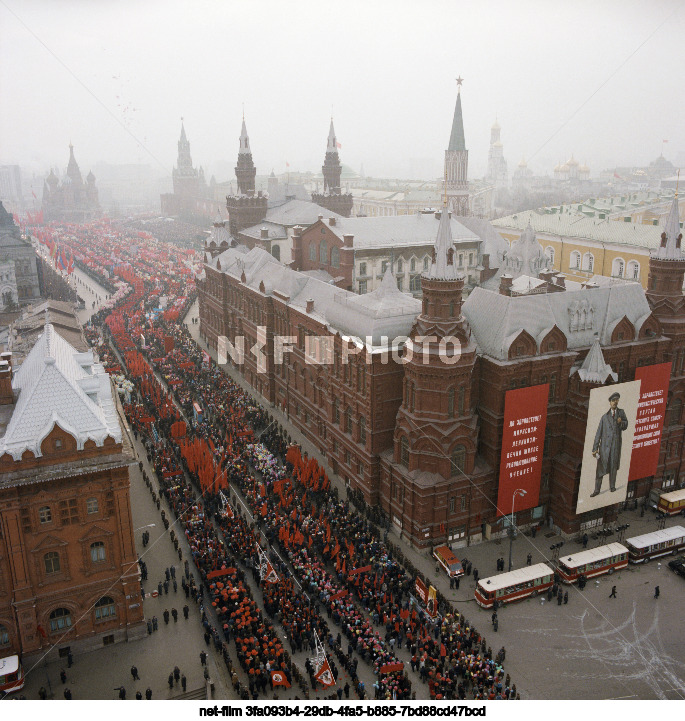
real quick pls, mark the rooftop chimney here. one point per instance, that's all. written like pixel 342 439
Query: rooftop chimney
pixel 561 280
pixel 347 240
pixel 264 233
pixel 310 305
pixel 505 283
pixel 320 217
pixel 6 393
pixel 331 221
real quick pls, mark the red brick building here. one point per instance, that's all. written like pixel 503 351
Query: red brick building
pixel 69 577
pixel 424 439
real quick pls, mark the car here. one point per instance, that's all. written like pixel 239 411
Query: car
pixel 678 566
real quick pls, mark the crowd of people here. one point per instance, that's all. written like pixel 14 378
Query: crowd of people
pixel 335 578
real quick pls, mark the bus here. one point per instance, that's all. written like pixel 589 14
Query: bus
pixel 11 674
pixel 672 503
pixel 657 543
pixel 444 556
pixel 593 562
pixel 514 585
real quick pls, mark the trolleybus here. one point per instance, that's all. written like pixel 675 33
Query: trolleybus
pixel 672 503
pixel 657 543
pixel 514 585
pixel 11 674
pixel 593 562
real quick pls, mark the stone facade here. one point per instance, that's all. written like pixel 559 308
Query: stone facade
pixel 70 199
pixel 23 279
pixel 424 439
pixel 68 565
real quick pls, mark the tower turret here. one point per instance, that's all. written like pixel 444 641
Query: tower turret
pixel 457 163
pixel 332 198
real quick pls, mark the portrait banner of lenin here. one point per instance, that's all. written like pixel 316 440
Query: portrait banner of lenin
pixel 608 445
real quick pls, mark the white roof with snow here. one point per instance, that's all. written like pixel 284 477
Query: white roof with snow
pixel 58 385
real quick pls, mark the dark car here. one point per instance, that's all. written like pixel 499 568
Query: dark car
pixel 678 566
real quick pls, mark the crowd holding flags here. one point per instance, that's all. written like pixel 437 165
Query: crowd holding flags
pixel 322 669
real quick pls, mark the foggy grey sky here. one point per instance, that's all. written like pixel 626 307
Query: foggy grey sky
pixel 387 67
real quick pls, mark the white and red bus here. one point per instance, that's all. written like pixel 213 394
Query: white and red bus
pixel 657 543
pixel 514 585
pixel 593 562
pixel 672 503
pixel 11 674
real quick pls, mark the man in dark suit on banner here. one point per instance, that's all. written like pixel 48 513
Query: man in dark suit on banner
pixel 607 446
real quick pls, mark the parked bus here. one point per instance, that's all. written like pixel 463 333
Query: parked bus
pixel 672 503
pixel 451 564
pixel 514 585
pixel 593 562
pixel 11 674
pixel 657 543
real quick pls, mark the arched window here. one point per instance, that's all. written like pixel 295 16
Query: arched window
pixel 51 561
pixel 425 263
pixel 60 619
pixel 412 265
pixel 336 410
pixel 549 252
pixel 400 265
pixel 450 403
pixel 618 268
pixel 4 636
pixel 312 252
pixel 458 459
pixel 335 257
pixel 575 260
pixel 105 608
pixel 92 505
pixel 404 451
pixel 45 514
pixel 276 251
pixel 588 262
pixel 462 400
pixel 97 552
pixel 348 420
pixel 323 252
pixel 633 270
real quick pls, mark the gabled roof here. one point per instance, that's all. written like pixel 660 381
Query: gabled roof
pixel 594 368
pixel 298 212
pixel 497 319
pixel 58 385
pixel 395 231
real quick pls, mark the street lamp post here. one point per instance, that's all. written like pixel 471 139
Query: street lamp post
pixel 518 492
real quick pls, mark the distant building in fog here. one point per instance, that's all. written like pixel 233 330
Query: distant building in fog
pixel 70 199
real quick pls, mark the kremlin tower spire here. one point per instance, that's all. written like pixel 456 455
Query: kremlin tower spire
pixel 457 163
pixel 245 170
pixel 332 198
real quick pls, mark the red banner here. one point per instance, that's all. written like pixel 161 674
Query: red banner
pixel 523 439
pixel 278 678
pixel 220 572
pixel 363 569
pixel 421 591
pixel 392 667
pixel 342 594
pixel 649 423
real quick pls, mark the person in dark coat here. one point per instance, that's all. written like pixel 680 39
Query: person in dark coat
pixel 203 657
pixel 184 682
pixel 186 611
pixel 67 694
pixel 171 681
pixel 70 660
pixel 134 673
pixel 166 615
pixel 608 442
pixel 613 592
pixel 657 592
pixel 174 614
pixel 122 692
pixel 63 676
pixel 139 696
pixel 148 693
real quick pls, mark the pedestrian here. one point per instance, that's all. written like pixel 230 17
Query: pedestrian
pixel 177 674
pixel 171 681
pixel 167 574
pixel 148 693
pixel 186 611
pixel 566 598
pixel 657 592
pixel 346 690
pixel 173 571
pixel 134 673
pixel 122 692
pixel 70 660
pixel 166 615
pixel 585 540
pixel 149 626
pixel 529 559
pixel 67 694
pixel 63 676
pixel 613 592
pixel 183 682
pixel 206 673
pixel 160 588
pixel 42 693
pixel 203 657
pixel 155 624
pixel 175 585
pixel 166 586
pixel 139 696
pixel 451 583
pixel 456 583
pixel 475 575
pixel 560 598
pixel 174 613
pixel 495 625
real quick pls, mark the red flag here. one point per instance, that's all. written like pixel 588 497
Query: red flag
pixel 278 678
pixel 325 675
pixel 263 509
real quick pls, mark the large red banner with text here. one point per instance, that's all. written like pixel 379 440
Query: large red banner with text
pixel 650 419
pixel 523 439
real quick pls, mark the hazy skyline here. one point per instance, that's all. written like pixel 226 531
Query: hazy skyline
pixel 114 78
